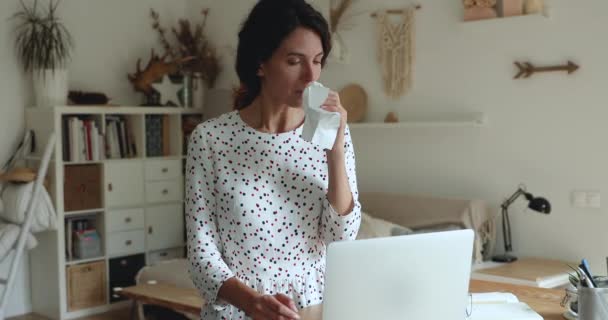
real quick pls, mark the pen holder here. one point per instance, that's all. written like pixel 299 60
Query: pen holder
pixel 592 303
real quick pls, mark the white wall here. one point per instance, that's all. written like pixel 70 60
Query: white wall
pixel 14 92
pixel 546 132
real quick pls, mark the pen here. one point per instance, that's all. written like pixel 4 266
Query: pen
pixel 585 278
pixel 585 266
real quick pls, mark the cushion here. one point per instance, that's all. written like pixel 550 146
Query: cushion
pixel 16 199
pixel 374 228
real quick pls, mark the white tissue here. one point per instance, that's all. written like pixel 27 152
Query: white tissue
pixel 320 126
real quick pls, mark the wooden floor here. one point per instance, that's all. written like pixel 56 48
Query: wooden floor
pixel 122 314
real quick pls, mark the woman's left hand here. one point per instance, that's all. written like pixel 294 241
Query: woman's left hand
pixel 333 104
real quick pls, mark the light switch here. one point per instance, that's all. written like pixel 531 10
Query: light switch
pixel 593 199
pixel 579 199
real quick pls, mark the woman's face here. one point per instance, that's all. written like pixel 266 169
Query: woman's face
pixel 292 67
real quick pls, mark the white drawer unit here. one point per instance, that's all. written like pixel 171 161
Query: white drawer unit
pixel 126 242
pixel 155 257
pixel 164 191
pixel 164 226
pixel 124 220
pixel 132 195
pixel 124 183
pixel 163 169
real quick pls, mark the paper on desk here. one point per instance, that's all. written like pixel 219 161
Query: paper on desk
pixel 493 297
pixel 320 126
pixel 500 306
pixel 503 311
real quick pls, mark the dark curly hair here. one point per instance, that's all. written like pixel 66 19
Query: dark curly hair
pixel 268 24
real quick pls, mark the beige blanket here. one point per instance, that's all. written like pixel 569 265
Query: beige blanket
pixel 417 212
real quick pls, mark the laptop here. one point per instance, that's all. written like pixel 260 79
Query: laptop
pixel 420 276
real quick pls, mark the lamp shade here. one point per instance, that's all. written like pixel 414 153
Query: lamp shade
pixel 539 204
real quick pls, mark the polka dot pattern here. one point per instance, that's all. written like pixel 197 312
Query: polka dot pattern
pixel 257 209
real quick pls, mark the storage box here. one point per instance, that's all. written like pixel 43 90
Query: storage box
pixel 82 187
pixel 123 271
pixel 87 244
pixel 86 285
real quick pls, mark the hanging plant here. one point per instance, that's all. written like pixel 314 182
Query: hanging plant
pixel 42 41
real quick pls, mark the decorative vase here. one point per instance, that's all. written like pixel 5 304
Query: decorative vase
pixel 50 87
pixel 511 8
pixel 198 91
pixel 186 92
pixel 534 6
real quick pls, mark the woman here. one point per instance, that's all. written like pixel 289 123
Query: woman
pixel 262 203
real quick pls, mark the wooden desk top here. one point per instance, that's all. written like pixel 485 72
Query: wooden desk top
pixel 544 301
pixel 176 298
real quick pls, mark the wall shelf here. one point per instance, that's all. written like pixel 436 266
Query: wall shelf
pixel 470 120
pixel 513 19
pixel 78 261
pixel 82 212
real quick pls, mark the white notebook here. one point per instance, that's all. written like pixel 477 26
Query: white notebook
pixel 500 306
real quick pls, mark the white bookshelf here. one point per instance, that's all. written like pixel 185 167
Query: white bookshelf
pixel 128 188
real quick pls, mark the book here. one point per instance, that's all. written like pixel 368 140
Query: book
pixel 500 306
pixel 535 272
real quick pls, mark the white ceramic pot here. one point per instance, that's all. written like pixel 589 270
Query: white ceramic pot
pixel 50 87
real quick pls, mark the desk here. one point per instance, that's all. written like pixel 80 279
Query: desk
pixel 544 301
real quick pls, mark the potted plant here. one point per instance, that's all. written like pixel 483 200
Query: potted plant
pixel 44 47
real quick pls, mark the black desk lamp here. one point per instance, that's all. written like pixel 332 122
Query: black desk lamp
pixel 537 204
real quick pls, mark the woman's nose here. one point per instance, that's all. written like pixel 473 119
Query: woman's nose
pixel 309 73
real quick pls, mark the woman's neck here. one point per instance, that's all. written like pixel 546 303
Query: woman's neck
pixel 264 115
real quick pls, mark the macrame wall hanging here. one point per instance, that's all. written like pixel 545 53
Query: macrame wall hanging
pixel 396 40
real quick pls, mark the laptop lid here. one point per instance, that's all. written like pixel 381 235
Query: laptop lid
pixel 421 276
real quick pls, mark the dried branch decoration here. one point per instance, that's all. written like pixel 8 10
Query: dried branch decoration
pixel 337 14
pixel 192 47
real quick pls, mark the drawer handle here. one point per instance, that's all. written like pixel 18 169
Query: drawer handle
pixel 128 242
pixel 165 170
pixel 128 219
pixel 165 191
pixel 150 230
pixel 110 187
pixel 88 269
pixel 163 254
pixel 122 263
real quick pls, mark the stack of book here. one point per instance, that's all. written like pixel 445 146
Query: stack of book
pixel 83 140
pixel 119 138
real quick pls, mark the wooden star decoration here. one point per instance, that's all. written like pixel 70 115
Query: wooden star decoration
pixel 168 91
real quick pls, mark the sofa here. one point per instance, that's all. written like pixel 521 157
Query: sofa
pixel 383 214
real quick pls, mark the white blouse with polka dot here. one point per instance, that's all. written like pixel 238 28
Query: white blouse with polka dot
pixel 257 209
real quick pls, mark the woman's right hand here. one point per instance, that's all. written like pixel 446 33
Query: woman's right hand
pixel 272 307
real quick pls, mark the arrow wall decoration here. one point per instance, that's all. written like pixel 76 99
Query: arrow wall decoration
pixel 526 69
